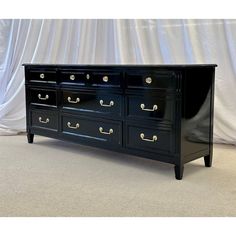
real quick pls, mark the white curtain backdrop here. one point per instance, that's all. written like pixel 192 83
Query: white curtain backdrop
pixel 117 42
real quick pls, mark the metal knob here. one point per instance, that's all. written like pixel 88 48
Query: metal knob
pixel 41 76
pixel 72 77
pixel 87 76
pixel 105 78
pixel 148 80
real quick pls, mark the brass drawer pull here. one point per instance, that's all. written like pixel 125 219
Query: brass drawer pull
pixel 148 80
pixel 154 138
pixel 154 108
pixel 73 127
pixel 42 76
pixel 45 98
pixel 106 105
pixel 103 132
pixel 42 121
pixel 72 77
pixel 71 101
pixel 105 78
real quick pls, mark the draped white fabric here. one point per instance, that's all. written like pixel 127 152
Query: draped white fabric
pixel 117 42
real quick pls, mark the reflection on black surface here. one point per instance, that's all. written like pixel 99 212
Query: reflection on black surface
pixel 196 113
pixel 197 128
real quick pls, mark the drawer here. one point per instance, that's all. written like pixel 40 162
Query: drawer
pixel 42 76
pixel 151 107
pixel 91 78
pixel 75 77
pixel 164 80
pixel 43 97
pixel 95 102
pixel 107 79
pixel 44 119
pixel 87 129
pixel 150 140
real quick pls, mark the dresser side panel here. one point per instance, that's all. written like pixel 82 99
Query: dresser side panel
pixel 197 113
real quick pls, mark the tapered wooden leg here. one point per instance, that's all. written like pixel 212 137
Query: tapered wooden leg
pixel 30 137
pixel 179 170
pixel 208 160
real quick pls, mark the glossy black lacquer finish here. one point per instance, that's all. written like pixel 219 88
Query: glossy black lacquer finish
pixel 161 112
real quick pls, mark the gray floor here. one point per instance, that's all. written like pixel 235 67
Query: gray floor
pixel 55 178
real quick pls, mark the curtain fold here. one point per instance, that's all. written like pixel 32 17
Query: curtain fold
pixel 117 42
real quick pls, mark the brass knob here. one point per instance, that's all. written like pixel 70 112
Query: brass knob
pixel 105 78
pixel 72 77
pixel 41 76
pixel 148 80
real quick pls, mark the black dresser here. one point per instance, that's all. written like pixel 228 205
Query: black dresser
pixel 161 112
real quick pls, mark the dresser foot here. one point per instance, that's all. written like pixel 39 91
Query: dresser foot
pixel 179 170
pixel 208 160
pixel 30 137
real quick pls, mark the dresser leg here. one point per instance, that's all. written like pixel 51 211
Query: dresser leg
pixel 30 137
pixel 179 170
pixel 208 160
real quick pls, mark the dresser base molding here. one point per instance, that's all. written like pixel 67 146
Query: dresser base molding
pixel 158 112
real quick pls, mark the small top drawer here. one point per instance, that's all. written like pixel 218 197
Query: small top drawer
pixel 42 76
pixel 74 77
pixel 164 80
pixel 91 78
pixel 107 79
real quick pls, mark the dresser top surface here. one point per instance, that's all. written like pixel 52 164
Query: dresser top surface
pixel 123 65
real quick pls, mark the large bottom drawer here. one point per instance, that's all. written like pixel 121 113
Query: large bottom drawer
pixel 87 129
pixel 159 140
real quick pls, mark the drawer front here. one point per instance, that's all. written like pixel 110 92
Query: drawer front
pixel 87 129
pixel 44 119
pixel 150 140
pixel 93 102
pixel 107 79
pixel 151 107
pixel 90 78
pixel 43 97
pixel 42 76
pixel 164 80
pixel 75 77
